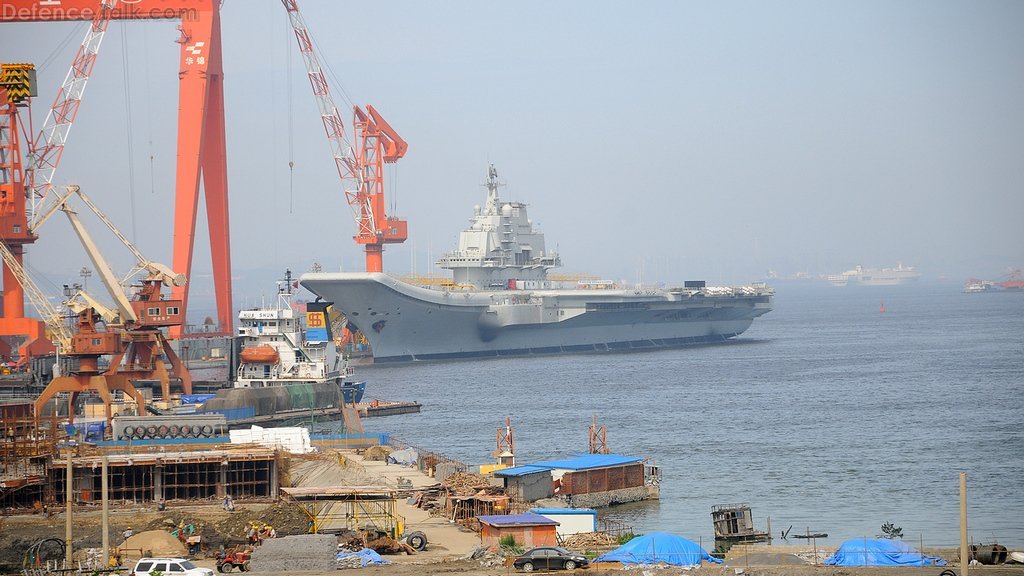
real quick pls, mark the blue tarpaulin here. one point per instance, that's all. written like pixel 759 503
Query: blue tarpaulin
pixel 94 431
pixel 882 552
pixel 195 398
pixel 366 556
pixel 659 548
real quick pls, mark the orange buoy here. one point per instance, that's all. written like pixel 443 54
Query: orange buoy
pixel 260 355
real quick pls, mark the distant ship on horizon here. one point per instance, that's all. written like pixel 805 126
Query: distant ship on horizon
pixel 875 277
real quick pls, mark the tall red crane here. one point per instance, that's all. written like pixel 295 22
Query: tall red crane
pixel 201 135
pixel 17 86
pixel 379 144
pixel 361 170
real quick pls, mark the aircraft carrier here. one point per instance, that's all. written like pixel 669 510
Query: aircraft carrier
pixel 500 302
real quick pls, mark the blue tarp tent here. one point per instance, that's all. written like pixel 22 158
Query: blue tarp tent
pixel 883 552
pixel 659 547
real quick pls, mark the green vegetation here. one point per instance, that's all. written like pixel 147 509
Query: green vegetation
pixel 626 537
pixel 892 531
pixel 508 542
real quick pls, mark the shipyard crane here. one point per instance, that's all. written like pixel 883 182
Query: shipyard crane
pixel 17 87
pixel 51 316
pixel 361 170
pixel 201 148
pixel 47 149
pixel 133 337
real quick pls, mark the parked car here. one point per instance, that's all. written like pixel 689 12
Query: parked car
pixel 548 558
pixel 169 567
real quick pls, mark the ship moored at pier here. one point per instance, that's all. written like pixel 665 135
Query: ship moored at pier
pixel 501 303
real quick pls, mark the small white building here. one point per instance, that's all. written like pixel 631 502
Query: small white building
pixel 570 520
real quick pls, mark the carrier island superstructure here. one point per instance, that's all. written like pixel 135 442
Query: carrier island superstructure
pixel 501 302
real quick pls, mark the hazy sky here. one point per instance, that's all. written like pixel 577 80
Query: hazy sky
pixel 685 140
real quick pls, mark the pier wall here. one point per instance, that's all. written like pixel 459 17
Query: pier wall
pixel 609 497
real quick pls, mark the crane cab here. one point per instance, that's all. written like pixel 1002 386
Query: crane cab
pixel 157 313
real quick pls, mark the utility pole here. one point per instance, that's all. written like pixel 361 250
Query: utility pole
pixel 68 499
pixel 85 272
pixel 965 556
pixel 105 486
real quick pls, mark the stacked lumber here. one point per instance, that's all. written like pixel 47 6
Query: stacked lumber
pixel 464 483
pixel 589 541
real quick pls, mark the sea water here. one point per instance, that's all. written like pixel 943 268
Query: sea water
pixel 827 415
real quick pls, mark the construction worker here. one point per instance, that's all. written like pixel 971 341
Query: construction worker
pixel 229 504
pixel 127 533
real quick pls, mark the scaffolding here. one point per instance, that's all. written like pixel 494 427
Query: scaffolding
pixel 366 509
pixel 151 477
pixel 25 451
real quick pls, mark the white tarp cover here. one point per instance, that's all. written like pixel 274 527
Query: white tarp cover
pixel 407 457
pixel 294 439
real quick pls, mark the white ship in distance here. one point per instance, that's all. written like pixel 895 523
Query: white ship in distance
pixel 875 277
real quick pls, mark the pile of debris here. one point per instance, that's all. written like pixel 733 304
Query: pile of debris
pixel 464 483
pixel 430 498
pixel 590 541
pixel 230 529
pixel 376 453
pixel 291 553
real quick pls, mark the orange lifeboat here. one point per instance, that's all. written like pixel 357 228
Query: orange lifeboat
pixel 260 355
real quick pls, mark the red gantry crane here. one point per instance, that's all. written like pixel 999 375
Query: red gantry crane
pixel 201 135
pixel 362 169
pixel 17 86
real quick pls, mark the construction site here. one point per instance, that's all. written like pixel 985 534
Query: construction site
pixel 85 359
pixel 98 411
pixel 367 490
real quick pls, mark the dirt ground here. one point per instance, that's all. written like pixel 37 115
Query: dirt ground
pixel 448 544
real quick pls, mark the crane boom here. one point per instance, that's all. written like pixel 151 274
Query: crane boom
pixel 114 288
pixel 341 150
pixel 361 170
pixel 48 147
pixel 165 274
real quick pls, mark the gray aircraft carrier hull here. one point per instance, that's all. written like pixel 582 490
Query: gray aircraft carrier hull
pixel 406 323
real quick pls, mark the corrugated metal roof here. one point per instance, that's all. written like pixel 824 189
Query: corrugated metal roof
pixel 564 511
pixel 521 470
pixel 525 519
pixel 589 461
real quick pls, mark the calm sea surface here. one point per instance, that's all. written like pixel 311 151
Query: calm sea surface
pixel 826 414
